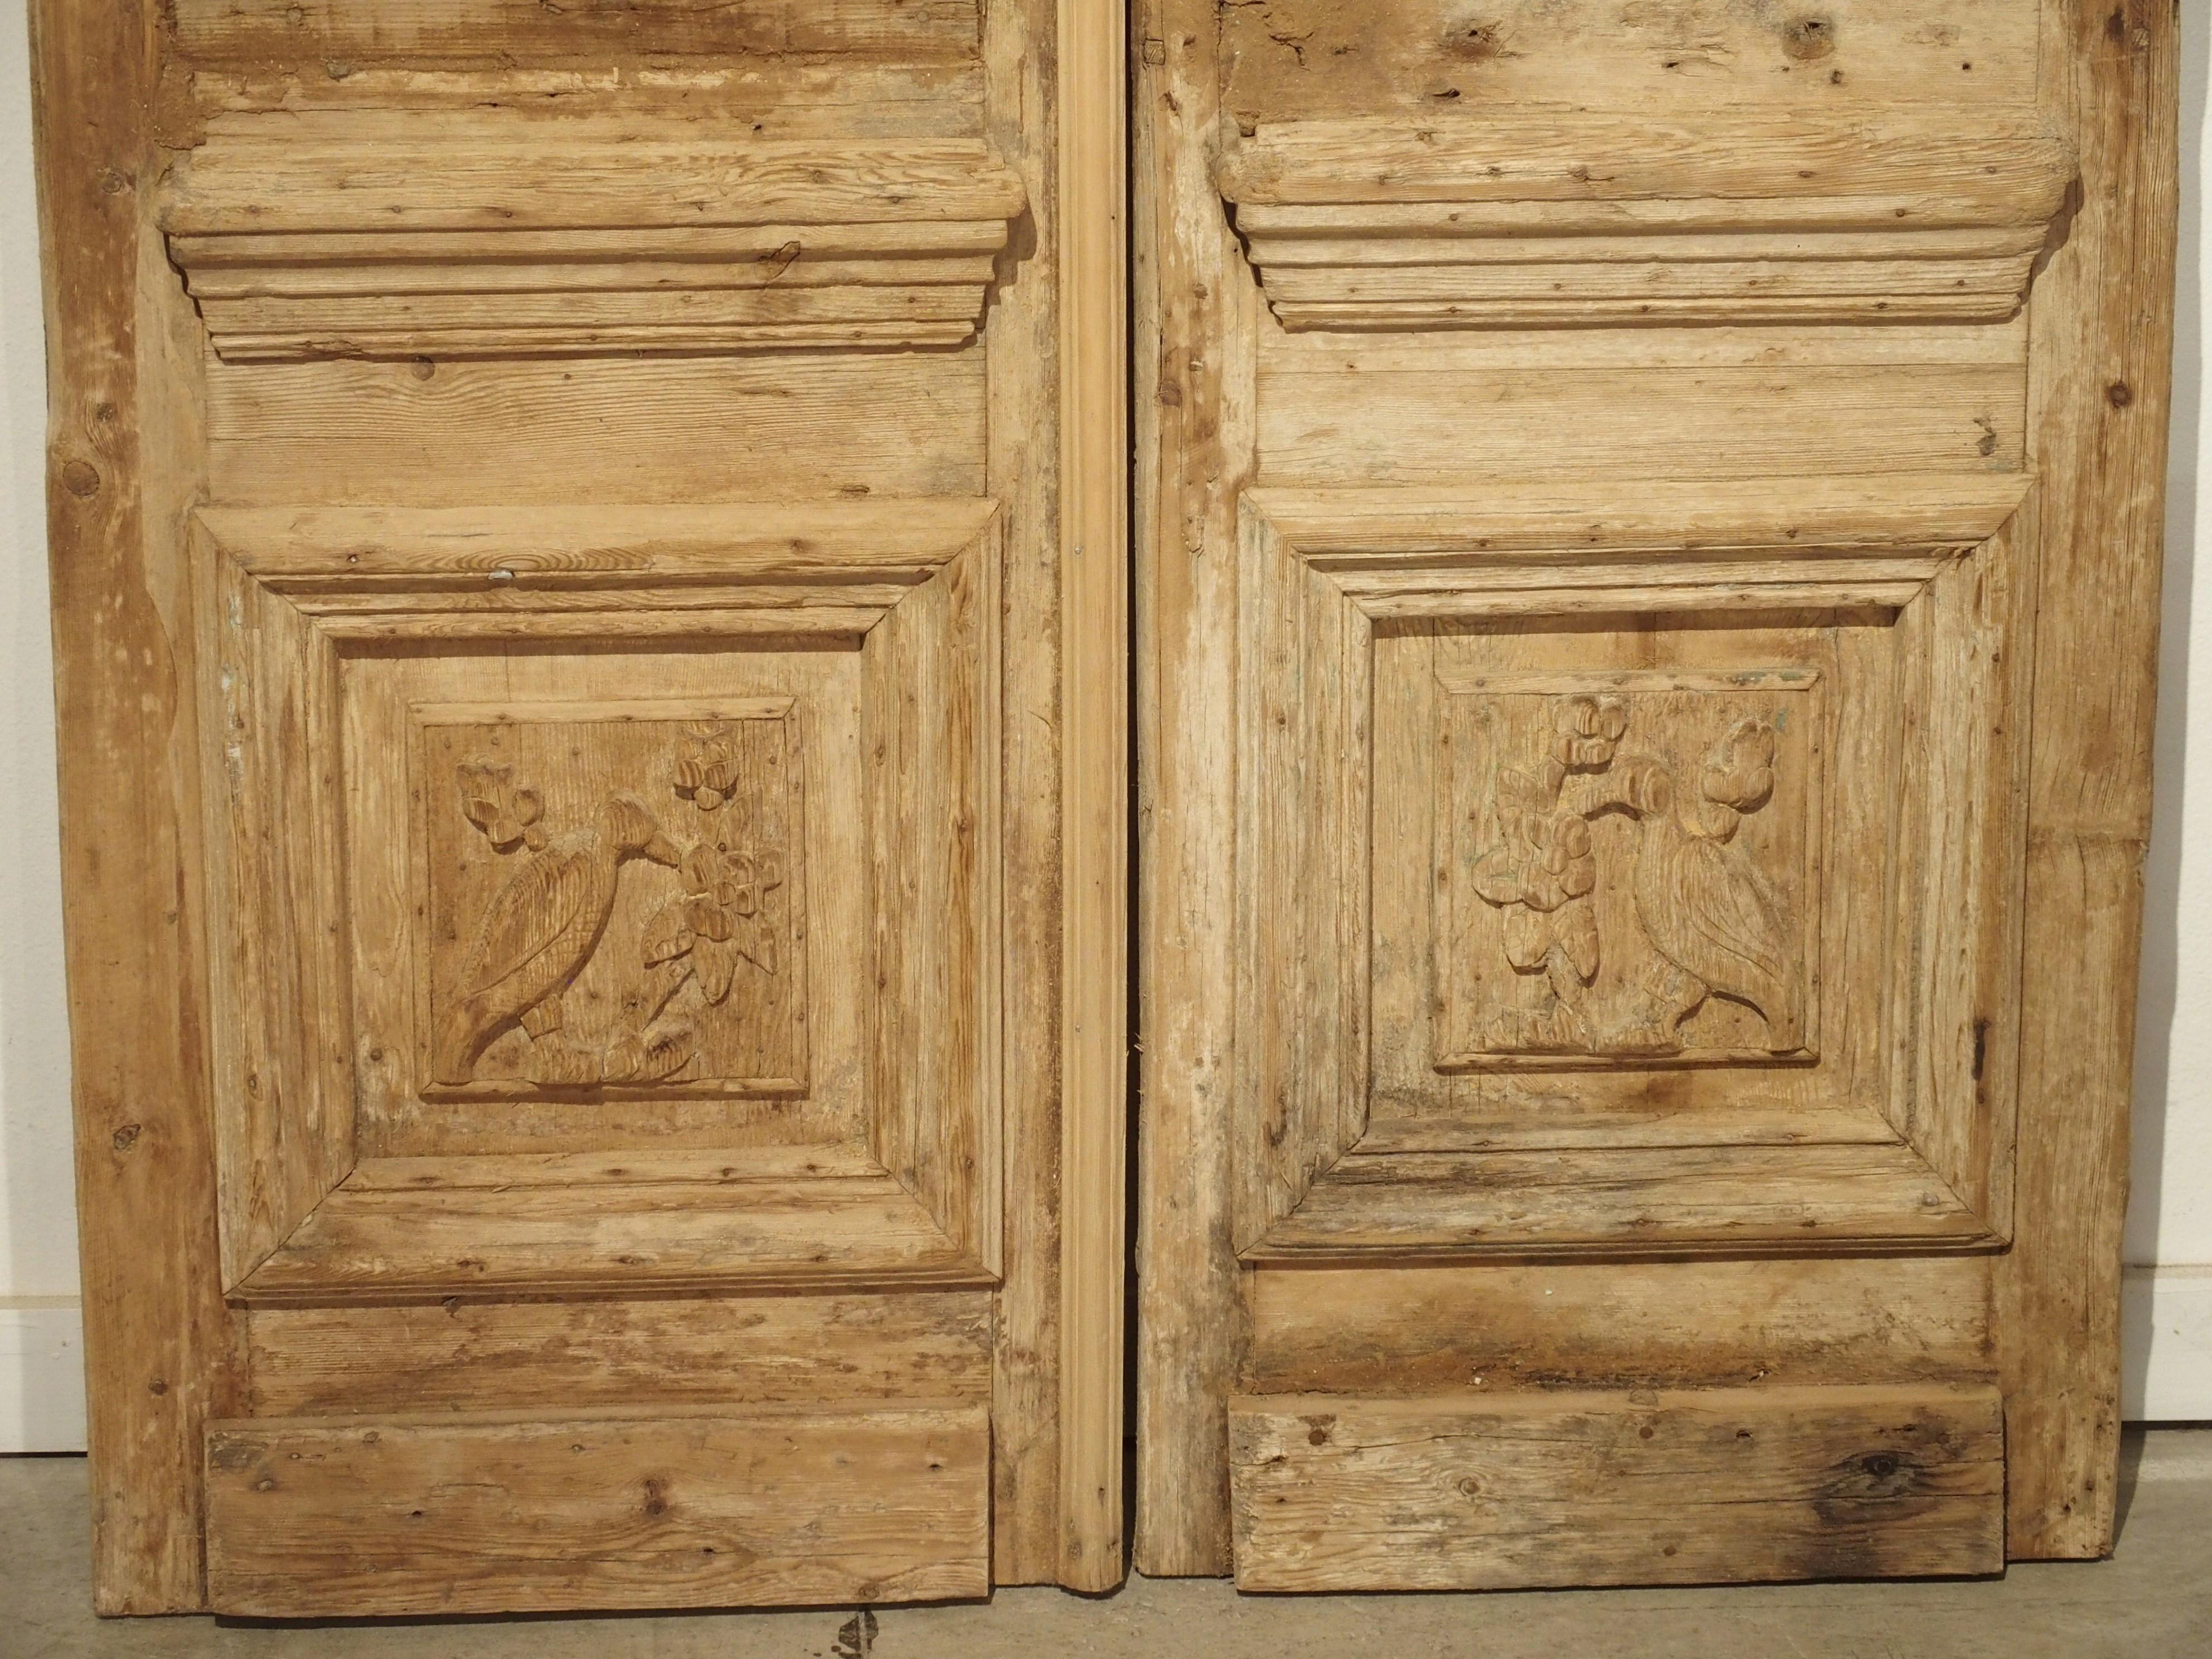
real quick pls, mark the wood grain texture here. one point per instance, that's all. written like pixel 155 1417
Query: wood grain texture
pixel 2100 387
pixel 1494 225
pixel 553 1356
pixel 619 429
pixel 471 235
pixel 121 463
pixel 1094 544
pixel 1516 1491
pixel 431 1228
pixel 1616 1324
pixel 505 1512
pixel 227 31
pixel 1287 59
pixel 1196 315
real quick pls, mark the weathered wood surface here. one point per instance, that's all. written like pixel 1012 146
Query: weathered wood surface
pixel 1308 59
pixel 2100 384
pixel 497 31
pixel 1477 1492
pixel 1094 335
pixel 121 462
pixel 507 1513
pixel 1195 316
pixel 556 1357
pixel 1614 1324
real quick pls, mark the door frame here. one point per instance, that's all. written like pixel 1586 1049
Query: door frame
pixel 163 1353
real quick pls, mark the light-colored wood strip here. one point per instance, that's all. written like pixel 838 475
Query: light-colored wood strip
pixel 301 551
pixel 1479 1492
pixel 558 1357
pixel 313 1517
pixel 1865 59
pixel 1996 345
pixel 1194 353
pixel 1345 528
pixel 1094 547
pixel 224 31
pixel 343 261
pixel 1695 1199
pixel 1023 447
pixel 486 175
pixel 1293 246
pixel 1619 1324
pixel 2100 394
pixel 688 429
pixel 120 465
pixel 420 1241
pixel 1345 426
pixel 1937 176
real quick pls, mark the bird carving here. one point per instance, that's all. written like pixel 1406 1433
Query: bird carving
pixel 1712 915
pixel 541 930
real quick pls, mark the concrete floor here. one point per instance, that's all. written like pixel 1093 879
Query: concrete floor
pixel 2153 1600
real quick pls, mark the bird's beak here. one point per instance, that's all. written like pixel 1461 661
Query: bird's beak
pixel 661 850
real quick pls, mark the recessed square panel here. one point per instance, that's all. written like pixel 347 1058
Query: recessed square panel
pixel 1631 868
pixel 612 898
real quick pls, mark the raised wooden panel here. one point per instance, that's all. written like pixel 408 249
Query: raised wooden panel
pixel 1429 58
pixel 1483 1492
pixel 476 31
pixel 468 236
pixel 658 822
pixel 1597 221
pixel 1607 852
pixel 498 1513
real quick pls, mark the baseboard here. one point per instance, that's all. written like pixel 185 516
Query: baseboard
pixel 2165 1373
pixel 41 1375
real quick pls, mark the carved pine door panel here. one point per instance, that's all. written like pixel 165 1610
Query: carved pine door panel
pixel 582 557
pixel 1651 520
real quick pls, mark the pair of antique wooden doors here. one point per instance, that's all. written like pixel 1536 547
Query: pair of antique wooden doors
pixel 593 577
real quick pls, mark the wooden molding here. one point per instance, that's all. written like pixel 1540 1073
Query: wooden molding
pixel 474 238
pixel 1378 646
pixel 1362 225
pixel 865 918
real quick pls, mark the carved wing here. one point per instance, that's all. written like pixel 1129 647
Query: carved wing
pixel 1719 917
pixel 555 891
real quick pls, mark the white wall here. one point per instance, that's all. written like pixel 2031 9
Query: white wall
pixel 2169 1346
pixel 42 1381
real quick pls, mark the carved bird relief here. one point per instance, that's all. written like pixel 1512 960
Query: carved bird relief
pixel 1713 918
pixel 541 930
pixel 1707 906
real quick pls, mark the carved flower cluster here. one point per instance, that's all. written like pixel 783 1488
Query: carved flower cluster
pixel 508 816
pixel 718 917
pixel 707 770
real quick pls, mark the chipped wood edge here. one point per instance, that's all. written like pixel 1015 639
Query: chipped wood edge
pixel 1094 557
pixel 2101 328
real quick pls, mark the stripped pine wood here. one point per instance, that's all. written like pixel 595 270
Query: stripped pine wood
pixel 1506 1491
pixel 484 31
pixel 497 1513
pixel 617 430
pixel 1614 1324
pixel 2098 391
pixel 1616 727
pixel 467 1356
pixel 1678 55
pixel 628 760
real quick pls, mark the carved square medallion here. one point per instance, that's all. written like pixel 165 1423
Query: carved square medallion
pixel 612 899
pixel 1631 869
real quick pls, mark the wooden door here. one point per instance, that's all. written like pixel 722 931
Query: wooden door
pixel 1647 606
pixel 587 605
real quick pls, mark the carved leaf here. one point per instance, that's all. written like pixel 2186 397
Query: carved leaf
pixel 716 962
pixel 667 936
